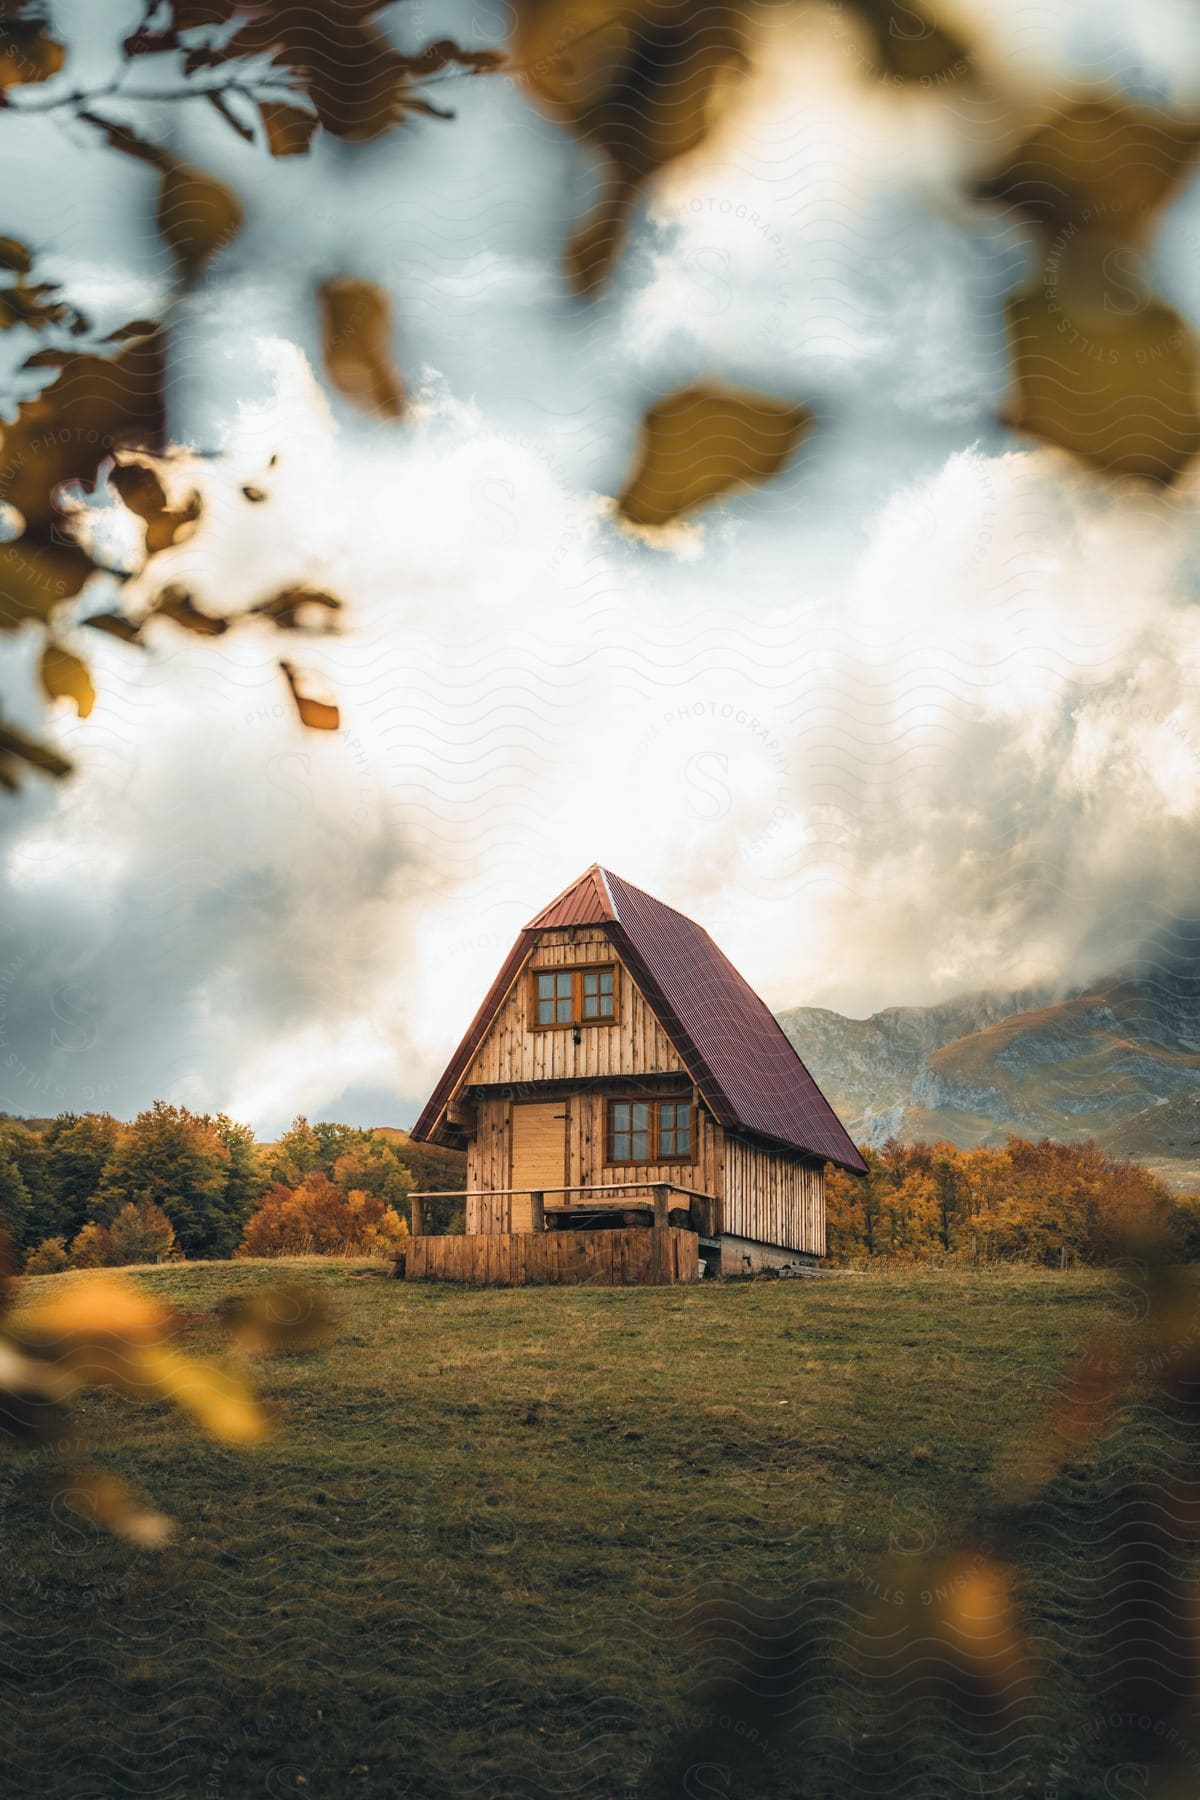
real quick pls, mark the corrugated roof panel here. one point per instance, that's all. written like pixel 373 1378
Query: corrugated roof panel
pixel 585 902
pixel 736 1047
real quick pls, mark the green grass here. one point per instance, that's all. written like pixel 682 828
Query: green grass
pixel 466 1561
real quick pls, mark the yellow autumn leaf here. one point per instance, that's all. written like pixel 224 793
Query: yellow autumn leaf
pixel 216 1397
pixel 28 53
pixel 109 1501
pixel 65 677
pixel 93 1305
pixel 318 715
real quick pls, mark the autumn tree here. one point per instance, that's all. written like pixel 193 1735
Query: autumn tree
pixel 1031 1202
pixel 372 1167
pixel 14 1195
pixel 181 1160
pixel 852 1207
pixel 1185 1227
pixel 431 1166
pixel 298 1152
pixel 245 1182
pixel 27 1207
pixel 49 1258
pixel 141 1233
pixel 78 1146
pixel 335 1140
pixel 316 1217
pixel 950 1188
pixel 1129 1207
pixel 909 1216
pixel 92 1248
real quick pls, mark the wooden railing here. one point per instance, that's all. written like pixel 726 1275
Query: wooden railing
pixel 704 1210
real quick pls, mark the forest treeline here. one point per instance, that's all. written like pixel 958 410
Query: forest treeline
pixel 85 1190
pixel 1041 1202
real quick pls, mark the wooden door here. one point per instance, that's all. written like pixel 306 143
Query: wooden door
pixel 539 1152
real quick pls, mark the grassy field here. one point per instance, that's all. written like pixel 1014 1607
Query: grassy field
pixel 471 1559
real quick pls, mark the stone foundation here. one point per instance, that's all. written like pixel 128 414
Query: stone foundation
pixel 745 1256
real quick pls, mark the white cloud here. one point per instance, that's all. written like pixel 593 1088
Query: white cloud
pixel 911 718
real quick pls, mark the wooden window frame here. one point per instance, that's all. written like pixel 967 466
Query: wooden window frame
pixel 576 971
pixel 656 1158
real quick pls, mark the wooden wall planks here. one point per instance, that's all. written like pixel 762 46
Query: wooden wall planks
pixel 773 1197
pixel 513 1051
pixel 623 1257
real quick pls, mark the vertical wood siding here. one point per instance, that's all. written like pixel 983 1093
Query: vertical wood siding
pixel 610 1258
pixel 514 1050
pixel 490 1161
pixel 488 1166
pixel 774 1197
pixel 768 1195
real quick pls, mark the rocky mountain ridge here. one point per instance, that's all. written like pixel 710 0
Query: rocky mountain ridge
pixel 1117 1061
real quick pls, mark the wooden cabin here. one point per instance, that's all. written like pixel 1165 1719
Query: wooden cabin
pixel 620 1073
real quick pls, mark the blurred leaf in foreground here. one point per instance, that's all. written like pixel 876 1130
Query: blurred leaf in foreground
pixel 27 51
pixel 142 492
pixel 285 1316
pixel 704 441
pixel 356 342
pixel 641 81
pixel 97 1331
pixel 911 42
pixel 94 405
pixel 176 604
pixel 318 715
pixel 18 751
pixel 289 129
pixel 339 56
pixel 1118 389
pixel 1100 162
pixel 197 216
pixel 291 607
pixel 64 677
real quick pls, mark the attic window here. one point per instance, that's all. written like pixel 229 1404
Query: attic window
pixel 575 996
pixel 650 1131
pixel 597 993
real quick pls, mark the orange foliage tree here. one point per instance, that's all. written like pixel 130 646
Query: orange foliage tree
pixel 1043 1202
pixel 317 1217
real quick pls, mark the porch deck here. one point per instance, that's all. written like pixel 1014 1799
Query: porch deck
pixel 579 1247
pixel 625 1256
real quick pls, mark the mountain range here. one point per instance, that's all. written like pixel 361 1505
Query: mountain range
pixel 1117 1061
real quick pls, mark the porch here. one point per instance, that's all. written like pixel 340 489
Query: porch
pixel 618 1235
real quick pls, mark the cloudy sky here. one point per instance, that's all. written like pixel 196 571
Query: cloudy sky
pixel 920 716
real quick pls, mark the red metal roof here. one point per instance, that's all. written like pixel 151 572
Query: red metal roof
pixel 735 1049
pixel 586 902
